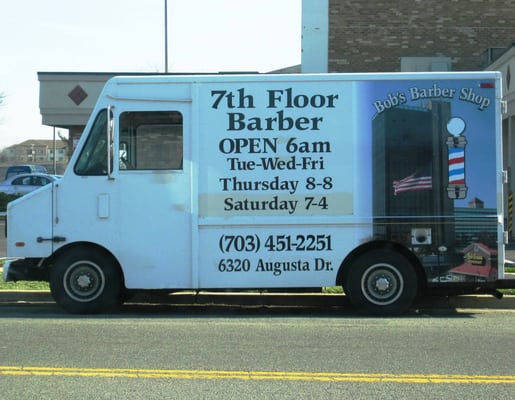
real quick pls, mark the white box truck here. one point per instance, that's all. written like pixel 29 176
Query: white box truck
pixel 389 185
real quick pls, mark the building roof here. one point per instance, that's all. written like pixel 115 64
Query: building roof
pixel 475 270
pixel 43 143
pixel 480 248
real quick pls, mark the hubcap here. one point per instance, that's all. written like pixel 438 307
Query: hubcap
pixel 84 281
pixel 382 284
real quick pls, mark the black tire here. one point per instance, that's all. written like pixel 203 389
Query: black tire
pixel 86 281
pixel 381 282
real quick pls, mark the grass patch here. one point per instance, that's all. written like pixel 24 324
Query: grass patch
pixel 509 270
pixel 21 285
pixel 332 290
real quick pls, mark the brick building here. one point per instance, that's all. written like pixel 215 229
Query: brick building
pixel 374 35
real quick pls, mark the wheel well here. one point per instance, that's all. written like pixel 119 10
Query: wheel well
pixel 343 272
pixel 93 247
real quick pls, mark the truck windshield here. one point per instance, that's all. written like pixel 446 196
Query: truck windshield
pixel 93 158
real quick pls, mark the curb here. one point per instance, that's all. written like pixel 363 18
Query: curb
pixel 239 299
pixel 25 296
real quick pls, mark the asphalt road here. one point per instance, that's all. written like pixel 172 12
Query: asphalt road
pixel 156 352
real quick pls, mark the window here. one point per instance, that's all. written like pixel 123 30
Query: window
pixel 93 158
pixel 31 180
pixel 22 181
pixel 151 140
pixel 40 181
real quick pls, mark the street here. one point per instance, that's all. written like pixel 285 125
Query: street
pixel 158 351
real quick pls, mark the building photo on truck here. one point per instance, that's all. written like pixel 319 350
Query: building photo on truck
pixel 389 185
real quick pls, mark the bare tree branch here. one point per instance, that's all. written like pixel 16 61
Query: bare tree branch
pixel 69 142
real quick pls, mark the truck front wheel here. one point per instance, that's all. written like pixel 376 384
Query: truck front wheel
pixel 86 281
pixel 381 282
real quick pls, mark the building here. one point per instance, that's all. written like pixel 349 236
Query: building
pixel 66 100
pixel 375 36
pixel 35 152
pixel 480 264
pixel 506 64
pixel 409 172
pixel 475 223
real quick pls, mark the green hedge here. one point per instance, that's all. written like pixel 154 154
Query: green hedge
pixel 6 198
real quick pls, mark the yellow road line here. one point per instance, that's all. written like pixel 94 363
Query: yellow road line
pixel 256 375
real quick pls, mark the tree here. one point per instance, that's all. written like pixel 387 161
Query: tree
pixel 69 143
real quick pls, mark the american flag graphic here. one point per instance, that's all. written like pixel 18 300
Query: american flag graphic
pixel 456 165
pixel 412 183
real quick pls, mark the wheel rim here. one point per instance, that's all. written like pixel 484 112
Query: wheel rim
pixel 382 284
pixel 84 281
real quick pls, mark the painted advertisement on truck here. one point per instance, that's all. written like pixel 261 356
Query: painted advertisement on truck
pixel 406 161
pixel 434 175
pixel 278 183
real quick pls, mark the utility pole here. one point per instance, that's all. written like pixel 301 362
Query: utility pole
pixel 166 36
pixel 55 163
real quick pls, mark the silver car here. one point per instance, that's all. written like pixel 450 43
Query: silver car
pixel 25 183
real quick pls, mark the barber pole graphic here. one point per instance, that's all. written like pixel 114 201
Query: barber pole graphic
pixel 456 166
pixel 456 144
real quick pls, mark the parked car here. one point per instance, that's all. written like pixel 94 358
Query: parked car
pixel 25 169
pixel 24 183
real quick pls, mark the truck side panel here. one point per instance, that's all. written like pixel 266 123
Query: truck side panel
pixel 346 162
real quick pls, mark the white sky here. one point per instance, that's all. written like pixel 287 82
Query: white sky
pixel 128 36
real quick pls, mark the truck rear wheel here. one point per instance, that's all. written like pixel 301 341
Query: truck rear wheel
pixel 381 282
pixel 86 281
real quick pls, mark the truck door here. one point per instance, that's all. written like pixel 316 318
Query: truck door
pixel 152 174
